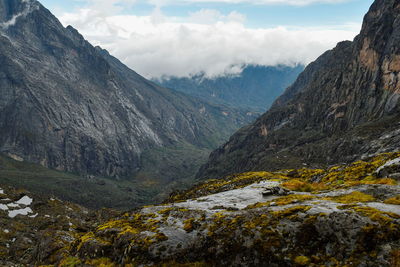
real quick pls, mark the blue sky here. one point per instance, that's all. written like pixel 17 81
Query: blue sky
pixel 217 37
pixel 257 15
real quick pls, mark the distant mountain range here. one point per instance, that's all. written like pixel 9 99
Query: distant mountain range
pixel 72 107
pixel 255 88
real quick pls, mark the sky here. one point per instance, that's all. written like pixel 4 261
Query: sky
pixel 162 38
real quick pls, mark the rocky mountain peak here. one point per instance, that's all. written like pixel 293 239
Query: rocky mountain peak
pixel 318 119
pixel 11 11
pixel 378 44
pixel 72 107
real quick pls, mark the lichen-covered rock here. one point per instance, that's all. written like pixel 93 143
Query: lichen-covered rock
pixel 348 216
pixel 36 230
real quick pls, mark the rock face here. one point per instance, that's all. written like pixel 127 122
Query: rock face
pixel 343 106
pixel 70 106
pixel 256 88
pixel 341 216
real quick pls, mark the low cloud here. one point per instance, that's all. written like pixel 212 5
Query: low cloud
pixel 205 42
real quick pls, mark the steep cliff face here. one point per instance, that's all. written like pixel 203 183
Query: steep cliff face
pixel 343 106
pixel 70 106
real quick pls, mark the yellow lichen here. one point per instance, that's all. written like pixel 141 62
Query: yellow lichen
pixel 101 262
pixel 353 197
pixel 302 260
pixel 290 211
pixel 188 225
pixel 303 185
pixel 70 262
pixel 281 201
pixel 165 211
pixel 384 218
pixel 394 200
pixel 85 238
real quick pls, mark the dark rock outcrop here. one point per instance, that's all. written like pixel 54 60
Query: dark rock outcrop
pixel 70 106
pixel 345 105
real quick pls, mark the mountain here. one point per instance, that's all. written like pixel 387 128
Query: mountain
pixel 344 106
pixel 255 88
pixel 72 107
pixel 348 215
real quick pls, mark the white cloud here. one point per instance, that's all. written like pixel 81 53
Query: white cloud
pixel 207 41
pixel 211 16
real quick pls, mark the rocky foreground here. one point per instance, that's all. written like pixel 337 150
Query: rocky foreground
pixel 342 216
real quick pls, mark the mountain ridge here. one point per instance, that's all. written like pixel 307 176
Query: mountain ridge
pixel 70 106
pixel 332 112
pixel 255 88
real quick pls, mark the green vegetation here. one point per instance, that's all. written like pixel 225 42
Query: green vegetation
pixel 92 193
pixel 152 184
pixel 169 168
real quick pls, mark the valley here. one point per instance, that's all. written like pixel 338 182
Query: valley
pixel 101 167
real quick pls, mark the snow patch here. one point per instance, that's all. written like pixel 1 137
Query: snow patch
pixel 3 207
pixel 25 201
pixel 25 211
pixel 237 198
pixel 1 191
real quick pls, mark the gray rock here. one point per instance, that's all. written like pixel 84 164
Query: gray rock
pixel 73 107
pixel 275 191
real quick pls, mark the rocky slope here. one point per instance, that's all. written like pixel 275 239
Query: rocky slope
pixel 346 215
pixel 345 105
pixel 256 88
pixel 70 106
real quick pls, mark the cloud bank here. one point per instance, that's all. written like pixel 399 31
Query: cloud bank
pixel 204 42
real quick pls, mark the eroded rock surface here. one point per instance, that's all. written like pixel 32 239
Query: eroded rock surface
pixel 349 217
